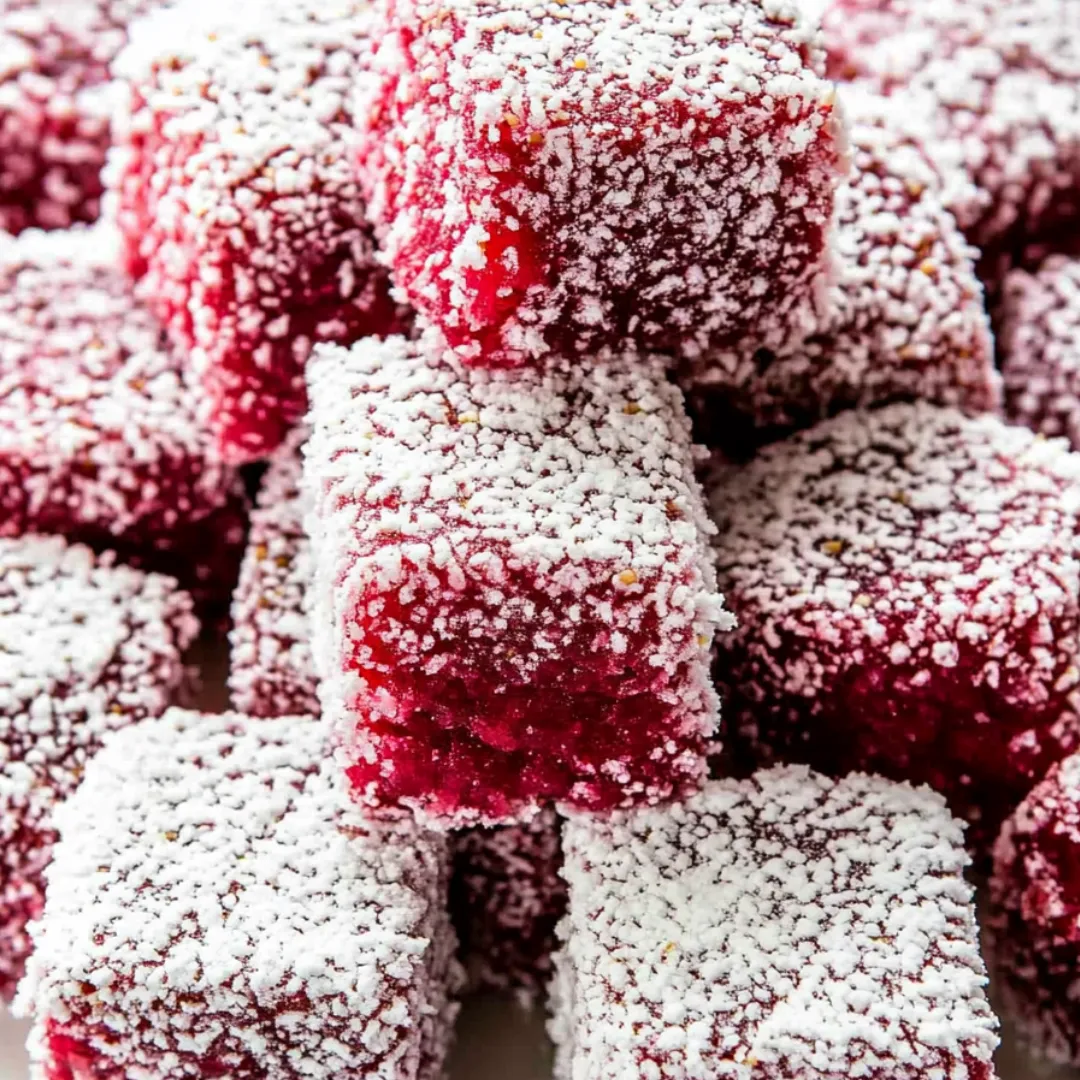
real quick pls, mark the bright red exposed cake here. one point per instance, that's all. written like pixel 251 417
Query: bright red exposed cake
pixel 100 439
pixel 216 909
pixel 784 926
pixel 237 200
pixel 1039 343
pixel 908 600
pixel 514 598
pixel 993 91
pixel 903 318
pixel 566 176
pixel 55 103
pixel 507 892
pixel 1033 924
pixel 86 646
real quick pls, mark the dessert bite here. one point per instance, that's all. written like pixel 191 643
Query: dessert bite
pixel 908 596
pixel 56 98
pixel 236 197
pixel 1033 922
pixel 904 317
pixel 100 436
pixel 216 908
pixel 514 596
pixel 87 646
pixel 562 178
pixel 787 925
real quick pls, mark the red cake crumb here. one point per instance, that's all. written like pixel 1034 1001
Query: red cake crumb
pixel 55 103
pixel 992 89
pixel 908 600
pixel 514 600
pixel 553 176
pixel 1039 344
pixel 1033 923
pixel 216 909
pixel 100 439
pixel 904 317
pixel 86 646
pixel 236 196
pixel 783 926
pixel 507 891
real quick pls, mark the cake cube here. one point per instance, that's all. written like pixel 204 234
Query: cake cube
pixel 783 926
pixel 1033 921
pixel 904 317
pixel 991 89
pixel 55 104
pixel 237 201
pixel 514 598
pixel 547 177
pixel 908 597
pixel 507 893
pixel 100 436
pixel 216 908
pixel 1039 344
pixel 86 646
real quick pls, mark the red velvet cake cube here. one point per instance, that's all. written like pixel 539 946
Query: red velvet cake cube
pixel 507 893
pixel 100 439
pixel 86 646
pixel 1033 922
pixel 236 196
pixel 1039 344
pixel 55 104
pixel 565 177
pixel 993 91
pixel 217 909
pixel 786 926
pixel 514 597
pixel 904 317
pixel 908 598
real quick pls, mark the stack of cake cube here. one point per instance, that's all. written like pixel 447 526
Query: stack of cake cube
pixel 627 452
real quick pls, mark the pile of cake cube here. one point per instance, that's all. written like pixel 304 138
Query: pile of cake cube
pixel 629 451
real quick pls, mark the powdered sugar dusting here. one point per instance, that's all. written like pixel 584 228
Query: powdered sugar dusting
pixel 86 647
pixel 787 925
pixel 215 905
pixel 570 176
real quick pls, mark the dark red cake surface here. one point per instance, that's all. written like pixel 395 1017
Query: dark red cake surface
pixel 216 909
pixel 903 318
pixel 238 204
pixel 566 176
pixel 514 597
pixel 993 91
pixel 1033 925
pixel 783 926
pixel 101 439
pixel 1039 343
pixel 55 105
pixel 908 596
pixel 86 647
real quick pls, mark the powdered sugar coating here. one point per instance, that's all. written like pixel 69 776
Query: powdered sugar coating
pixel 512 574
pixel 565 177
pixel 237 201
pixel 904 317
pixel 1033 923
pixel 55 104
pixel 908 597
pixel 1039 343
pixel 992 89
pixel 271 670
pixel 215 908
pixel 86 647
pixel 787 925
pixel 99 432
